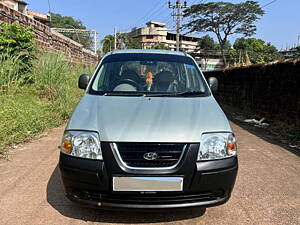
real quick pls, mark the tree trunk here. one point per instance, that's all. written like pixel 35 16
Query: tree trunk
pixel 205 60
pixel 223 55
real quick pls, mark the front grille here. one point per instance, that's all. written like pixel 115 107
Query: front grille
pixel 148 199
pixel 132 154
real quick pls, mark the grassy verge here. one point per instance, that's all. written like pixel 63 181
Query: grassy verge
pixel 41 98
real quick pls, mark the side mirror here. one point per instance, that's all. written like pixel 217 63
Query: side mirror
pixel 213 84
pixel 83 81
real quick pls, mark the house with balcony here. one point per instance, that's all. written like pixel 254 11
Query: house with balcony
pixel 157 33
pixel 22 7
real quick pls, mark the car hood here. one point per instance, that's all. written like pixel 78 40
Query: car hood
pixel 144 119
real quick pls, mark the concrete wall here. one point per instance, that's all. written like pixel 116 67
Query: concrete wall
pixel 272 90
pixel 48 40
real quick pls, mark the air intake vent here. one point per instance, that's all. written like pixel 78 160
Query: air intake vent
pixel 148 155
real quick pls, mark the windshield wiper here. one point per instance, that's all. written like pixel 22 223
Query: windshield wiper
pixel 190 93
pixel 178 94
pixel 160 95
pixel 123 94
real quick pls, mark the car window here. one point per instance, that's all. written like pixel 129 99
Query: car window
pixel 149 73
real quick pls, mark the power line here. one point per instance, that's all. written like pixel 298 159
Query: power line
pixel 157 13
pixel 269 3
pixel 154 11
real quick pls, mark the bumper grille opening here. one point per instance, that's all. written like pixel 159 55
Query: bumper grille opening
pixel 149 199
pixel 133 154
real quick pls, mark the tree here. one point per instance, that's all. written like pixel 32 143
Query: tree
pixel 160 46
pixel 133 43
pixel 206 44
pixel 68 22
pixel 296 52
pixel 127 42
pixel 252 50
pixel 108 43
pixel 224 19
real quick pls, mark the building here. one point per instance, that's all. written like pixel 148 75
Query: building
pixel 289 53
pixel 21 6
pixel 43 18
pixel 157 33
pixel 17 5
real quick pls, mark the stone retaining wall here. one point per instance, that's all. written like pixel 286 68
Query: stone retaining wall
pixel 49 40
pixel 271 90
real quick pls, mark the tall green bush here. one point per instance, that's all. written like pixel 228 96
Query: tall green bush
pixel 15 38
pixel 16 54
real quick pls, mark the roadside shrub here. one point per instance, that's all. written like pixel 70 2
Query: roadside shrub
pixel 15 38
pixel 13 70
pixel 50 74
pixel 16 54
pixel 45 103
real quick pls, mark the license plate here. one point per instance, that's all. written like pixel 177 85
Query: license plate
pixel 151 184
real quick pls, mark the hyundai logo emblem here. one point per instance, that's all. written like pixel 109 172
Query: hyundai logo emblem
pixel 150 156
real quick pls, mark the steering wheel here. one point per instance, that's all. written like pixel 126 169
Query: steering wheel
pixel 126 81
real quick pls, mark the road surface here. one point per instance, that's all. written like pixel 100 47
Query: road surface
pixel 267 190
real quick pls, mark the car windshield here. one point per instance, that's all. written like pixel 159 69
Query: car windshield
pixel 148 74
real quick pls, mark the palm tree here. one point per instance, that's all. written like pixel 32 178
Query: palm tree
pixel 108 43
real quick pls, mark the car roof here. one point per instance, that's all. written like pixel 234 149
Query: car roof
pixel 148 51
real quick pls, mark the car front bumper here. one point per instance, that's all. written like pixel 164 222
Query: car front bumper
pixel 205 184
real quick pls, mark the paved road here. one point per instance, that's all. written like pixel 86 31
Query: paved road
pixel 267 190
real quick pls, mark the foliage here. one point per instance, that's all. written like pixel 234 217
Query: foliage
pixel 108 43
pixel 53 74
pixel 15 38
pixel 296 52
pixel 252 50
pixel 224 19
pixel 133 43
pixel 126 42
pixel 13 69
pixel 28 110
pixel 16 52
pixel 68 22
pixel 207 43
pixel 160 46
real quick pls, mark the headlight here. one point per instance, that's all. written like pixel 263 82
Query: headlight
pixel 217 146
pixel 82 144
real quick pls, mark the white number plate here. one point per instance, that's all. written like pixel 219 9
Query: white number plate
pixel 147 184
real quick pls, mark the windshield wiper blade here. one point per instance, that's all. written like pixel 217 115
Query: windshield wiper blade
pixel 159 95
pixel 178 94
pixel 123 94
pixel 190 93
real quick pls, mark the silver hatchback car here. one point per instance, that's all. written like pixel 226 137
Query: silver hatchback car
pixel 148 134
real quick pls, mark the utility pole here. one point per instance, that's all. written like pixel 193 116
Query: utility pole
pixel 95 41
pixel 115 35
pixel 178 14
pixel 50 16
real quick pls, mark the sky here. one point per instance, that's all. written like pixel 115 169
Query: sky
pixel 279 25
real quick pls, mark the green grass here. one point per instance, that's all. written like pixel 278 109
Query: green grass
pixel 45 100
